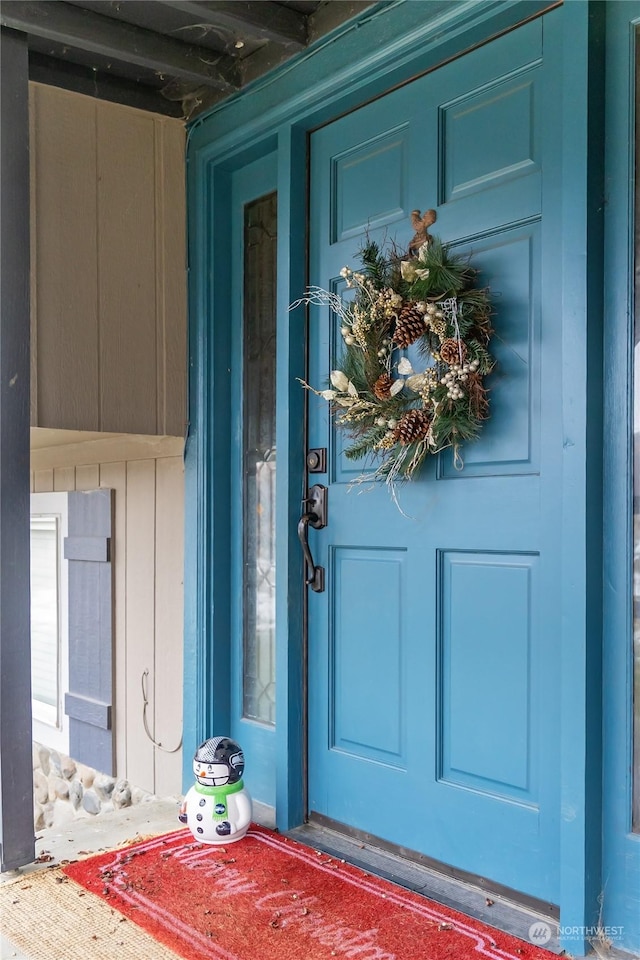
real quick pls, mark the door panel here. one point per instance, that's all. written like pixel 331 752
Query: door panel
pixel 477 749
pixel 510 262
pixel 367 732
pixel 433 718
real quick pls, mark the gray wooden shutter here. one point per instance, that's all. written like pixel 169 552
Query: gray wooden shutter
pixel 88 703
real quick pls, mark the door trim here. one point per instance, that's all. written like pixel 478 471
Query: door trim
pixel 257 738
pixel 621 853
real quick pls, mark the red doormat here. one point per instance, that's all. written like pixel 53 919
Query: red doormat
pixel 269 898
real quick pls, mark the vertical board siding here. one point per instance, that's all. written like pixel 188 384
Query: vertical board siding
pixel 43 481
pixel 114 475
pixel 171 278
pixel 140 613
pixel 65 262
pixel 88 477
pixel 126 254
pixel 64 478
pixel 148 558
pixel 169 560
pixel 109 266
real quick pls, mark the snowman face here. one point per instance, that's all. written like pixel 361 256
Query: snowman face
pixel 211 774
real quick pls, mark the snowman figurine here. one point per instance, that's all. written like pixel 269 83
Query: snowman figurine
pixel 217 808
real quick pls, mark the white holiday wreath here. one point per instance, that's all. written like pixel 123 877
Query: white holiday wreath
pixel 392 411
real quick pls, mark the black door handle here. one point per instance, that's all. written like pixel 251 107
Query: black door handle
pixel 315 516
pixel 314 576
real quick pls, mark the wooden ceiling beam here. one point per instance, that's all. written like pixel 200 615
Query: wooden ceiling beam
pixel 328 16
pixel 255 19
pixel 81 29
pixel 102 86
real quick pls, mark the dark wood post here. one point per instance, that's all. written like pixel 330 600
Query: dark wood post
pixel 16 774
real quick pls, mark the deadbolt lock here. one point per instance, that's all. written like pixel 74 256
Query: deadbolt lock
pixel 317 460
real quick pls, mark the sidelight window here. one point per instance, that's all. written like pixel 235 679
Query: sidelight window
pixel 259 459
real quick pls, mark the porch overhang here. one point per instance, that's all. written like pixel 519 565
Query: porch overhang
pixel 174 57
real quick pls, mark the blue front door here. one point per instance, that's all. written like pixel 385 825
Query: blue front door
pixel 433 651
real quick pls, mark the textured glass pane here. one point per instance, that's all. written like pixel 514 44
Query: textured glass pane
pixel 44 610
pixel 259 462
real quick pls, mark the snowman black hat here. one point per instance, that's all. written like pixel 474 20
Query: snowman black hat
pixel 222 751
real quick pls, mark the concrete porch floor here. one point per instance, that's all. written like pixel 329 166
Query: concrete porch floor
pixel 103 832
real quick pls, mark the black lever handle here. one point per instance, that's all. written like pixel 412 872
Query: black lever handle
pixel 314 577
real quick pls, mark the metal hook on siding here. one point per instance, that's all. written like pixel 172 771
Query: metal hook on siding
pixel 145 704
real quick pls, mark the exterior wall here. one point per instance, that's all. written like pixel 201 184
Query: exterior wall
pixel 147 476
pixel 108 290
pixel 108 390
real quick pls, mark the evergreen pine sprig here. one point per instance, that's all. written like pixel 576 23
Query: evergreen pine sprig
pixel 375 265
pixel 448 273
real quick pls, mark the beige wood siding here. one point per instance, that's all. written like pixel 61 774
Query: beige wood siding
pixel 149 560
pixel 108 266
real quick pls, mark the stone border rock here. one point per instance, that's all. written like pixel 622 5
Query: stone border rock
pixel 65 790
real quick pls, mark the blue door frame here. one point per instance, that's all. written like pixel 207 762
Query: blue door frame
pixel 621 849
pixel 387 45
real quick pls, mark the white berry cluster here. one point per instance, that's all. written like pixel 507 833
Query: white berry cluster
pixel 388 303
pixel 351 276
pixel 385 348
pixel 435 319
pixel 456 376
pixel 383 422
pixel 361 323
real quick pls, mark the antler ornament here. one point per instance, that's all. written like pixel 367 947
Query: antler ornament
pixel 421 223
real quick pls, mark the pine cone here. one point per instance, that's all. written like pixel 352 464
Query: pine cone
pixel 409 326
pixel 382 386
pixel 453 351
pixel 413 426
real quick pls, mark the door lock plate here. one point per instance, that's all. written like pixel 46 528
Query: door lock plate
pixel 317 505
pixel 317 460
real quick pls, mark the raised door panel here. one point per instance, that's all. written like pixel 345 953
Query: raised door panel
pixel 487 685
pixel 367 691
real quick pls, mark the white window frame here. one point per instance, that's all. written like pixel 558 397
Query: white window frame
pixel 53 731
